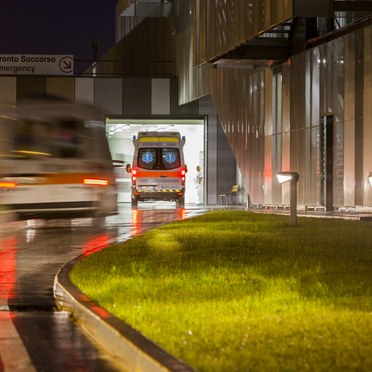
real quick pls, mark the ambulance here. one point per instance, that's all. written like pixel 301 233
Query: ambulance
pixel 55 161
pixel 158 170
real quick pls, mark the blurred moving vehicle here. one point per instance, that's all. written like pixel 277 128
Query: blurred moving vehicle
pixel 55 161
pixel 158 168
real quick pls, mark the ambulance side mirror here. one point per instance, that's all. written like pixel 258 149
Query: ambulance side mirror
pixel 128 168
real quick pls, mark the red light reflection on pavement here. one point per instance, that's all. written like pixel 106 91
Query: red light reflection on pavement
pixel 99 311
pixel 135 222
pixel 181 213
pixel 143 218
pixel 96 244
pixel 8 248
pixel 6 315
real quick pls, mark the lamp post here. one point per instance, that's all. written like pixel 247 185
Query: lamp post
pixel 291 177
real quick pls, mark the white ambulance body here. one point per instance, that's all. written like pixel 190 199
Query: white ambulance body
pixel 158 168
pixel 55 161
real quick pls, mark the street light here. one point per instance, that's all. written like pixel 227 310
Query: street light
pixel 291 177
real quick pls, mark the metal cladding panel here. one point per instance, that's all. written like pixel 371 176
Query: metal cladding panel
pixel 84 89
pixel 29 86
pixel 224 25
pixel 61 87
pixel 136 96
pixel 8 90
pixel 313 8
pixel 366 132
pixel 122 5
pixel 160 96
pixel 108 95
pixel 256 113
pixel 148 50
pixel 219 26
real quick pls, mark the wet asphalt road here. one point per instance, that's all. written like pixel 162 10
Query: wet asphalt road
pixel 33 335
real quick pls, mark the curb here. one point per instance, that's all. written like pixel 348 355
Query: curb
pixel 133 350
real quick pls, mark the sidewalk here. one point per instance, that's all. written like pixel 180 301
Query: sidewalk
pixel 343 214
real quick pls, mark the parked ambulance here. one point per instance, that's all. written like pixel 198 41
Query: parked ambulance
pixel 158 170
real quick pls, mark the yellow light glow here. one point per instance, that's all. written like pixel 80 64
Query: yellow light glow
pixel 29 152
pixel 8 185
pixel 95 182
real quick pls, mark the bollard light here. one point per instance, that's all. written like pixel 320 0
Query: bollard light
pixel 287 176
pixel 291 177
pixel 370 178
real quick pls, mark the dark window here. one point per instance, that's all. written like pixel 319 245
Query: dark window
pixel 171 158
pixel 26 139
pixel 147 158
pixel 68 139
pixel 158 158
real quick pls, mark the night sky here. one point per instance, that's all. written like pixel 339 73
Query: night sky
pixel 56 26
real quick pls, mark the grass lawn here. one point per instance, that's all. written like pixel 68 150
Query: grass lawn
pixel 234 291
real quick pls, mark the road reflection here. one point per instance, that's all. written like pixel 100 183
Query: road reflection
pixel 96 244
pixel 8 248
pixel 31 253
pixel 143 218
